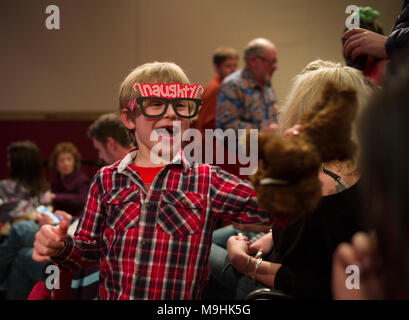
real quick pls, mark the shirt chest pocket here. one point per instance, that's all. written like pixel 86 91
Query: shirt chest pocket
pixel 123 209
pixel 180 213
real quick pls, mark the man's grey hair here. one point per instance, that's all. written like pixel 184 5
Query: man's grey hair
pixel 256 47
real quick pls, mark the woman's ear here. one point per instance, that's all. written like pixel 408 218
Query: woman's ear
pixel 126 120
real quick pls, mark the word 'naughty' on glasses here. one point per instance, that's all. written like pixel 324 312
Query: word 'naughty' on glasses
pixel 156 98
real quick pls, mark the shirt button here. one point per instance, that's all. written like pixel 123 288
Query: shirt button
pixel 137 276
pixel 184 202
pixel 143 242
pixel 148 205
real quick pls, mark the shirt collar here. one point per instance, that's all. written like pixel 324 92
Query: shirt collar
pixel 179 159
pixel 250 80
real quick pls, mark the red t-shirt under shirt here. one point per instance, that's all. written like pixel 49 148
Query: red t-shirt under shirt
pixel 148 174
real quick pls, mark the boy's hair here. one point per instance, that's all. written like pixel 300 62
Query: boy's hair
pixel 26 167
pixel 65 147
pixel 307 90
pixel 110 125
pixel 154 72
pixel 221 54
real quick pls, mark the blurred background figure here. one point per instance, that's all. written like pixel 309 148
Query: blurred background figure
pixel 110 137
pixel 70 185
pixel 225 62
pixel 382 255
pixel 371 66
pixel 26 189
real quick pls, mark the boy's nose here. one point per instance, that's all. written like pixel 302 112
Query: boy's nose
pixel 170 113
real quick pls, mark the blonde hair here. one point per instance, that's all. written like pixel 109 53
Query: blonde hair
pixel 307 89
pixel 154 72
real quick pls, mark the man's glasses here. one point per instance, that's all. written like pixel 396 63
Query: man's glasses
pixel 274 61
pixel 153 107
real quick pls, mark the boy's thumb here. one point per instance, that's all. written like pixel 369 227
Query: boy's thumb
pixel 63 228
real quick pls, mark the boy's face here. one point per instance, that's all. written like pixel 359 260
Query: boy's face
pixel 144 127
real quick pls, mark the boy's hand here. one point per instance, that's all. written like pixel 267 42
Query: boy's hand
pixel 49 240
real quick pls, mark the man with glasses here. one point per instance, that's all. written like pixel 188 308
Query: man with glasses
pixel 246 97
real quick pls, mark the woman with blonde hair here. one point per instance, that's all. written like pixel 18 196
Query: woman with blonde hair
pixel 306 91
pixel 296 259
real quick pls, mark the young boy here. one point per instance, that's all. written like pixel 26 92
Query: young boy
pixel 150 225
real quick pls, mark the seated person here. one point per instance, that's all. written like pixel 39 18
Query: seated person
pixel 299 262
pixel 18 268
pixel 26 188
pixel 70 186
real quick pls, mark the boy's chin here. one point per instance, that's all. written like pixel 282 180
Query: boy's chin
pixel 164 153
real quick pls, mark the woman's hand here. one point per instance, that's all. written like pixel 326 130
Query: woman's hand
pixel 264 244
pixel 237 247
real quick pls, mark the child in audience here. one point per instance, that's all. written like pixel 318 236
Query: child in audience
pixel 150 224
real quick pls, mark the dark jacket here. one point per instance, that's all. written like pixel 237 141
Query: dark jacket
pixel 399 37
pixel 70 192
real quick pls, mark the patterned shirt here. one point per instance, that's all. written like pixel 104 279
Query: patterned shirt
pixel 242 104
pixel 155 244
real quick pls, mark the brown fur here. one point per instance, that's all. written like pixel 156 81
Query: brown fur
pixel 325 136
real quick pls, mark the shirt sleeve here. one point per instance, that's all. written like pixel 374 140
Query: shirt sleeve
pixel 235 199
pixel 230 100
pixel 84 249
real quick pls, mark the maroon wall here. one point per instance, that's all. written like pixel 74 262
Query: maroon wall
pixel 46 134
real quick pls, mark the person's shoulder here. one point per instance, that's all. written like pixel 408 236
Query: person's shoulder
pixel 234 78
pixel 81 175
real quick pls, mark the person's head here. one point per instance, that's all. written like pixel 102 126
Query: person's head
pixel 367 21
pixel 138 120
pixel 110 137
pixel 26 167
pixel 260 56
pixel 65 158
pixel 225 61
pixel 385 156
pixel 307 89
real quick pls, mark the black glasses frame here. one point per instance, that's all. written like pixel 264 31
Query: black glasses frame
pixel 173 102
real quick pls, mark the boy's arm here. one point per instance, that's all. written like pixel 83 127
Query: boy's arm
pixel 235 199
pixel 83 249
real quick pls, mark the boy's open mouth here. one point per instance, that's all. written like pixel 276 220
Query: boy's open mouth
pixel 165 131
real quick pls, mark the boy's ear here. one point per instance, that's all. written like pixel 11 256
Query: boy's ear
pixel 126 121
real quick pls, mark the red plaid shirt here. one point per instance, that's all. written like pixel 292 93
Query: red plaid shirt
pixel 156 244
